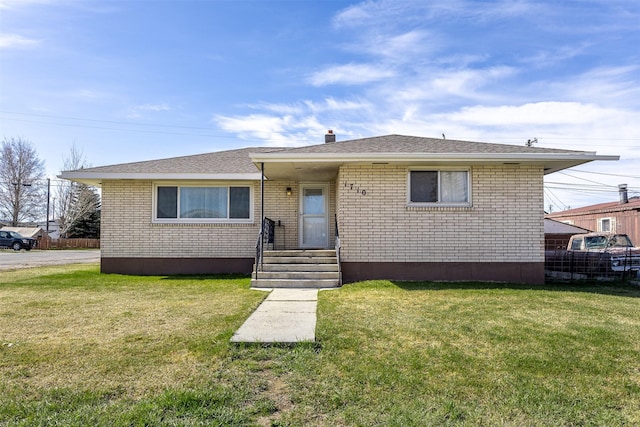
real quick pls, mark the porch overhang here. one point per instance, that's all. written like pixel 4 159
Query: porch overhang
pixel 322 166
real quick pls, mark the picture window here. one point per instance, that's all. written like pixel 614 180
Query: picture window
pixel 202 203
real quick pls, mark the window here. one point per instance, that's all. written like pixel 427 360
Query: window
pixel 607 225
pixel 197 203
pixel 439 187
pixel 576 244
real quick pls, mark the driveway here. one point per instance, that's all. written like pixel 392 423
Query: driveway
pixel 11 260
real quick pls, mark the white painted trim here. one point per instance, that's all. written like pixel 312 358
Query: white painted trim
pixel 468 203
pixel 612 224
pixel 325 191
pixel 412 157
pixel 165 176
pixel 221 184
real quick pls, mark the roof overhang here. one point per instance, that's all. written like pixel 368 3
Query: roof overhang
pixel 325 166
pixel 96 178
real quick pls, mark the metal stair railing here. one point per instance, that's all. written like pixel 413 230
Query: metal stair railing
pixel 338 246
pixel 265 235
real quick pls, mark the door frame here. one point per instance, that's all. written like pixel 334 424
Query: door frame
pixel 325 191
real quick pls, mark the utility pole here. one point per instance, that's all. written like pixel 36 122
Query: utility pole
pixel 48 198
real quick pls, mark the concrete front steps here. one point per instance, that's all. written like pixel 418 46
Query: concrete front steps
pixel 303 268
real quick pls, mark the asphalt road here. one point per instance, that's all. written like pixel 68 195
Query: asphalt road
pixel 11 260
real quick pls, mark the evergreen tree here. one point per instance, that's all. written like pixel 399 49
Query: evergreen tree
pixel 85 211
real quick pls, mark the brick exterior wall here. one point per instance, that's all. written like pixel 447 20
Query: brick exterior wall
pixel 504 223
pixel 128 230
pixel 380 234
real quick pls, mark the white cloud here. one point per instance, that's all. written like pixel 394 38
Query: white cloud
pixel 548 57
pixel 440 87
pixel 14 41
pixel 271 130
pixel 358 14
pixel 385 13
pixel 152 107
pixel 541 113
pixel 89 94
pixel 12 4
pixel 289 109
pixel 333 105
pixel 402 47
pixel 466 81
pixel 350 74
pixel 610 85
pixel 137 111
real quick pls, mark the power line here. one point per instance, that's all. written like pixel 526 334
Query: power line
pixel 580 190
pixel 586 187
pixel 588 180
pixel 606 174
pixel 552 196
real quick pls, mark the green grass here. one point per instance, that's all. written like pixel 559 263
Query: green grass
pixel 81 348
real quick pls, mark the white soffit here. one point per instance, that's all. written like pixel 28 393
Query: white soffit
pixel 96 178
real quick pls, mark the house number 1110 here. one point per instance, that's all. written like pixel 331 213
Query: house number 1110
pixel 355 188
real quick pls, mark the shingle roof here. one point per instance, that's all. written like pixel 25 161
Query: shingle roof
pixel 231 161
pixel 634 204
pixel 552 226
pixel 415 144
pixel 242 163
pixel 238 161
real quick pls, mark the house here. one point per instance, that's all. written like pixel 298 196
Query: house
pixel 557 234
pixel 404 208
pixel 53 227
pixel 622 216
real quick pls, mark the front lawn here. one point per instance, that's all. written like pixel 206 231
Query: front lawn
pixel 81 348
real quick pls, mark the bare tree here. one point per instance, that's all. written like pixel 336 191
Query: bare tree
pixel 74 201
pixel 22 194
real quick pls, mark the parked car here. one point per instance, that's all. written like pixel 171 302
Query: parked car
pixel 13 240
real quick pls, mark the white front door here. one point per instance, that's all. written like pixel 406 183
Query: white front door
pixel 314 209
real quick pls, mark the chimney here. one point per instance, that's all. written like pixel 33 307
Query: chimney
pixel 624 198
pixel 330 136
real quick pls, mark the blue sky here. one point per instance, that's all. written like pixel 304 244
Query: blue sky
pixel 137 80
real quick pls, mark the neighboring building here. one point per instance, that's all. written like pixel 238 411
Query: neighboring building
pixel 32 232
pixel 622 216
pixel 557 234
pixel 406 208
pixel 54 228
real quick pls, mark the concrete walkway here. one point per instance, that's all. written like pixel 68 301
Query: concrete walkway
pixel 285 316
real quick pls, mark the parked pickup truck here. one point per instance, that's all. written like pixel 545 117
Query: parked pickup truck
pixel 596 253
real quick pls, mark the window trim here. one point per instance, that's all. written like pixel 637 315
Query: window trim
pixel 612 224
pixel 217 184
pixel 439 169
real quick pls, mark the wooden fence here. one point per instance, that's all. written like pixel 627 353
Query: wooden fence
pixel 68 244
